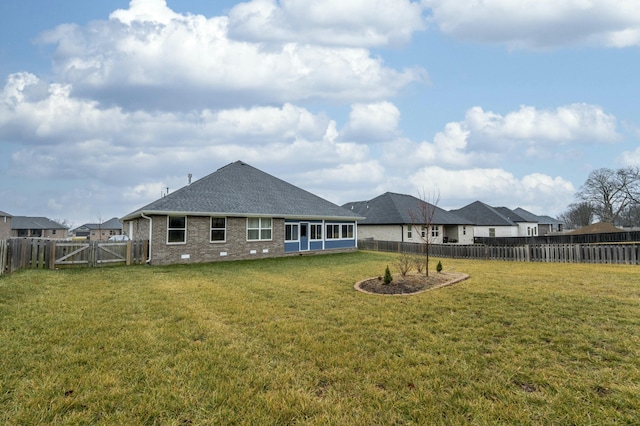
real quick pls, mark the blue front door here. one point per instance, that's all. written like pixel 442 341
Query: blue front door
pixel 304 236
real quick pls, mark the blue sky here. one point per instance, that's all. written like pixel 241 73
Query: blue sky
pixel 103 105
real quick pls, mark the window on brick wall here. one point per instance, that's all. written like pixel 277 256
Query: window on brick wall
pixel 218 229
pixel 259 228
pixel 176 229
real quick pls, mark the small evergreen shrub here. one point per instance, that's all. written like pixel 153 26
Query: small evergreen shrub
pixel 439 267
pixel 387 276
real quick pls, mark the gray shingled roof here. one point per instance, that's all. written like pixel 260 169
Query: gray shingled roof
pixel 482 214
pixel 240 189
pixel 397 209
pixel 511 215
pixel 25 222
pixel 5 214
pixel 113 223
pixel 531 217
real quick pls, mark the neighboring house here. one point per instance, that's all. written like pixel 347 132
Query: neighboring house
pixel 5 225
pixel 546 224
pixel 398 217
pixel 240 212
pixel 99 231
pixel 37 227
pixel 496 221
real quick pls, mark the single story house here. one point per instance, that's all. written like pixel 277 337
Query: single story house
pixel 400 217
pixel 497 221
pixel 99 231
pixel 37 227
pixel 240 212
pixel 546 224
pixel 5 225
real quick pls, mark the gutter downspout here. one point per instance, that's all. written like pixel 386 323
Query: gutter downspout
pixel 150 229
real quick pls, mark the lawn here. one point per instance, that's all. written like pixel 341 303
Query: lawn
pixel 289 341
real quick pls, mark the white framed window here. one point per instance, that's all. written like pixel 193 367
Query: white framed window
pixel 492 232
pixel 333 231
pixel 435 231
pixel 347 231
pixel 259 228
pixel 218 229
pixel 291 232
pixel 337 231
pixel 176 229
pixel 315 231
pixel 464 230
pixel 409 233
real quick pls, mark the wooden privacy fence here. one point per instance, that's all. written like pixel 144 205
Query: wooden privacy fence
pixel 618 253
pixel 33 253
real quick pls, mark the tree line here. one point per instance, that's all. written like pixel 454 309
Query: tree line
pixel 607 195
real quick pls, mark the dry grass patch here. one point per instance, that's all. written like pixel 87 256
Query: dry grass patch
pixel 289 341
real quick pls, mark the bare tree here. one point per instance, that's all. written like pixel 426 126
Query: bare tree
pixel 577 215
pixel 610 192
pixel 422 217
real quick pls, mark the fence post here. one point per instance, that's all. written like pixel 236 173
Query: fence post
pixel 52 254
pixel 128 255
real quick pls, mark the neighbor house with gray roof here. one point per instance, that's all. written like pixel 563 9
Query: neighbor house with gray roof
pixel 37 227
pixel 5 225
pixel 497 221
pixel 99 231
pixel 546 224
pixel 240 212
pixel 403 218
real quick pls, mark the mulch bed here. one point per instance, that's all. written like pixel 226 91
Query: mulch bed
pixel 410 284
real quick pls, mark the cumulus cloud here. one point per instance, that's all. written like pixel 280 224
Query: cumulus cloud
pixel 630 158
pixel 497 187
pixel 73 138
pixel 372 122
pixel 487 138
pixel 539 24
pixel 530 127
pixel 356 23
pixel 149 56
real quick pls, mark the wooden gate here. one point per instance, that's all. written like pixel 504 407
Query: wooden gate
pixel 110 252
pixel 74 253
pixel 37 253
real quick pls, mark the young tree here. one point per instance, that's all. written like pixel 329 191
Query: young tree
pixel 422 217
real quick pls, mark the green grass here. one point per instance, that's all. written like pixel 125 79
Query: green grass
pixel 289 341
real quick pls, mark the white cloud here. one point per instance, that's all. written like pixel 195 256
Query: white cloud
pixel 630 158
pixel 372 122
pixel 539 23
pixel 356 23
pixel 564 124
pixel 66 137
pixel 150 56
pixel 496 187
pixel 485 138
